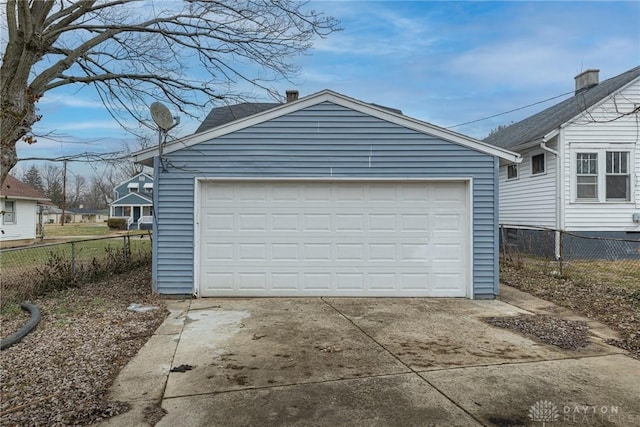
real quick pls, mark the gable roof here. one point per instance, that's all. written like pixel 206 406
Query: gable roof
pixel 383 113
pixel 221 115
pixel 133 199
pixel 535 127
pixel 132 178
pixel 15 189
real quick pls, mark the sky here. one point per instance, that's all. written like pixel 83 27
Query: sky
pixel 445 63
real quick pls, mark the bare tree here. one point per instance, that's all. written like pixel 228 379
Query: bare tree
pixel 135 51
pixel 100 193
pixel 128 168
pixel 76 192
pixel 52 183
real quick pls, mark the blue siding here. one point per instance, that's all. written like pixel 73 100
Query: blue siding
pixel 320 141
pixel 122 190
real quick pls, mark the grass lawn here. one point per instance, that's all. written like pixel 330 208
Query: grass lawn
pixel 608 291
pixel 35 256
pixel 624 273
pixel 81 229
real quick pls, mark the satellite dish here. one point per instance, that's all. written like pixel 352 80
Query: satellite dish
pixel 161 115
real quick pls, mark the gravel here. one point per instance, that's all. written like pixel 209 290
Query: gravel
pixel 61 372
pixel 567 334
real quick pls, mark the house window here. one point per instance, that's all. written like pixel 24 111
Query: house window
pixel 537 164
pixel 512 171
pixel 9 213
pixel 617 175
pixel 587 176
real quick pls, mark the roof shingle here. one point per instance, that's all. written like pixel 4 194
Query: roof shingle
pixel 222 115
pixel 16 189
pixel 535 127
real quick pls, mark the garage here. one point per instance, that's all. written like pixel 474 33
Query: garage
pixel 325 195
pixel 334 238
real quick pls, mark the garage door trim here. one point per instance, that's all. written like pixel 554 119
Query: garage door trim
pixel 201 181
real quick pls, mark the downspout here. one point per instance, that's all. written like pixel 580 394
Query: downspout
pixel 558 235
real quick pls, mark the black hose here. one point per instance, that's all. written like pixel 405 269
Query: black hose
pixel 22 332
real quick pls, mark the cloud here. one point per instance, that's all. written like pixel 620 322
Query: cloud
pixel 375 29
pixel 70 101
pixel 89 125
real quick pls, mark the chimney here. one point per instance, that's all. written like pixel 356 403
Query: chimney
pixel 292 95
pixel 586 80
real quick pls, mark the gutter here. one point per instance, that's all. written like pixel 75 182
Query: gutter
pixel 558 235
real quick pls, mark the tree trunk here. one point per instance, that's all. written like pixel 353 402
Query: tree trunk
pixel 17 118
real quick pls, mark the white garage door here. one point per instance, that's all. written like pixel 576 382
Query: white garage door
pixel 291 238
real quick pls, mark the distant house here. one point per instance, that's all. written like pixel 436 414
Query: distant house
pixel 581 162
pixel 133 200
pixel 84 215
pixel 19 204
pixel 52 214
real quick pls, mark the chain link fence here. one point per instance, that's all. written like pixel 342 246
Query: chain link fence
pixel 33 270
pixel 586 259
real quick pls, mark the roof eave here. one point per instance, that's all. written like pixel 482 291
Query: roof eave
pixel 37 199
pixel 146 156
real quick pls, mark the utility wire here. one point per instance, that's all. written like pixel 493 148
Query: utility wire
pixel 510 111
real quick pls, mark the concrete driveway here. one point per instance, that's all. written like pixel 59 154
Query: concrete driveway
pixel 373 362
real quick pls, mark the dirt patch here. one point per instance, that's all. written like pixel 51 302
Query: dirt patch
pixel 61 372
pixel 566 334
pixel 153 414
pixel 610 303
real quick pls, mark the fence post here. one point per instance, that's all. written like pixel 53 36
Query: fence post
pixel 124 247
pixel 73 257
pixel 560 252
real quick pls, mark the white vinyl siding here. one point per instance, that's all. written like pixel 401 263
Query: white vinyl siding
pixel 530 199
pixel 24 220
pixel 604 129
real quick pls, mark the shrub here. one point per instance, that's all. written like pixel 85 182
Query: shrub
pixel 60 272
pixel 117 223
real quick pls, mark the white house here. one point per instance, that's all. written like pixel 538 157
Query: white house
pixel 19 203
pixel 581 162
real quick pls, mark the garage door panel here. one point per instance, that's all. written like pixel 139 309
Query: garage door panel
pixel 382 282
pixel 285 252
pixel 316 281
pixel 414 282
pixel 316 222
pixel 285 281
pixel 284 222
pixel 355 239
pixel 447 284
pixel 350 281
pixel 349 222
